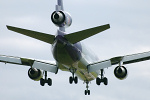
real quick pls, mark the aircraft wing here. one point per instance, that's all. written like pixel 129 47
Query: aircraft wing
pixel 128 59
pixel 43 65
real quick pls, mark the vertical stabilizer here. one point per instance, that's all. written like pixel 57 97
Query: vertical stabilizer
pixel 59 5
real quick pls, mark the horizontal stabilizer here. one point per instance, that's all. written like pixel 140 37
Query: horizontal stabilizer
pixel 81 35
pixel 37 35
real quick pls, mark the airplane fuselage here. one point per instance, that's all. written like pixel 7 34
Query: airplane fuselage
pixel 64 52
pixel 73 57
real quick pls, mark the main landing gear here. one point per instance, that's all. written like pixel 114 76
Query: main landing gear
pixel 102 79
pixel 48 81
pixel 73 78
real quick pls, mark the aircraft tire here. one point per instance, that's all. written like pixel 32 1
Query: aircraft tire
pixel 85 92
pixel 105 81
pixel 88 92
pixel 76 80
pixel 49 81
pixel 98 81
pixel 42 82
pixel 70 79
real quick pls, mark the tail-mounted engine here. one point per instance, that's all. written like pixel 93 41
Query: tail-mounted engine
pixel 120 72
pixel 35 74
pixel 61 19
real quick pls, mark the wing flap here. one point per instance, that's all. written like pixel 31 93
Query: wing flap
pixel 81 35
pixel 43 65
pixel 37 35
pixel 128 59
pixel 99 65
pixel 136 58
pixel 13 60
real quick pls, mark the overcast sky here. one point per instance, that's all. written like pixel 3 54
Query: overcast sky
pixel 129 34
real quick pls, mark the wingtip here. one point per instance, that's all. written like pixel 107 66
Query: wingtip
pixel 108 25
pixel 8 27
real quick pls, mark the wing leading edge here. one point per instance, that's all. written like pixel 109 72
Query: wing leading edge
pixel 128 59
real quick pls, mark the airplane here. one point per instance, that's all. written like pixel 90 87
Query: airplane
pixel 71 55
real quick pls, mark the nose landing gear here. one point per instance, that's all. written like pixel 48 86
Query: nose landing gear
pixel 87 91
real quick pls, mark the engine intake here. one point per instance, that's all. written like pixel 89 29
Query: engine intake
pixel 120 72
pixel 61 19
pixel 35 74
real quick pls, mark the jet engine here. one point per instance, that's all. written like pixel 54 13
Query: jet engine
pixel 35 74
pixel 61 19
pixel 120 72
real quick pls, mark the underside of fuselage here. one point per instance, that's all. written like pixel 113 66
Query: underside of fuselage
pixel 71 57
pixel 64 52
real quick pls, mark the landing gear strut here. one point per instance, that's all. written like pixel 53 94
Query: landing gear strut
pixel 48 81
pixel 72 78
pixel 87 91
pixel 102 79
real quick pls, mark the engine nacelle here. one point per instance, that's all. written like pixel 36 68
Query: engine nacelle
pixel 61 19
pixel 120 72
pixel 35 74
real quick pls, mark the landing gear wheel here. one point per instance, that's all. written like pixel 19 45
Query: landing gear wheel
pixel 49 81
pixel 87 92
pixel 70 79
pixel 42 82
pixel 102 79
pixel 73 77
pixel 98 81
pixel 105 81
pixel 76 80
